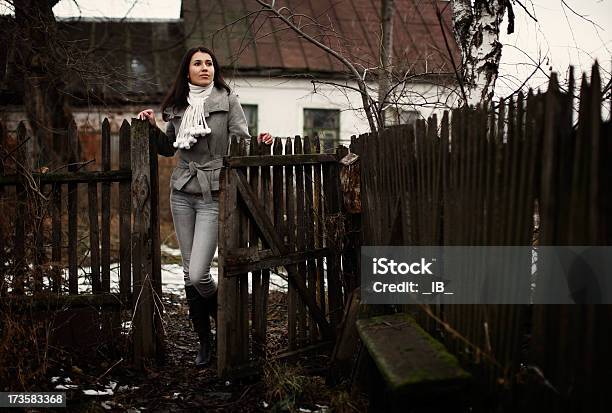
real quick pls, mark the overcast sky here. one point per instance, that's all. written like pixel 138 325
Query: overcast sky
pixel 152 9
pixel 559 38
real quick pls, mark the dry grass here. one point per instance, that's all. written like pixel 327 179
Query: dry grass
pixel 289 388
pixel 24 351
pixel 28 345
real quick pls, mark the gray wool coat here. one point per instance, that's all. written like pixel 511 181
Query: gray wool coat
pixel 198 168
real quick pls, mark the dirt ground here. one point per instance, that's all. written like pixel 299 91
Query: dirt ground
pixel 178 386
pixel 114 385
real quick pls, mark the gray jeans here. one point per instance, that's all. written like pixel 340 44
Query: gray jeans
pixel 196 226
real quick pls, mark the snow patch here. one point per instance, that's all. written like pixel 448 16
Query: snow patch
pixel 105 392
pixel 173 252
pixel 66 386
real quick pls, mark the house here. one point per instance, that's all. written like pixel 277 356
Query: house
pixel 286 85
pixel 289 86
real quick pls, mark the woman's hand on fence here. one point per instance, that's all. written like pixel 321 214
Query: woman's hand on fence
pixel 266 138
pixel 147 114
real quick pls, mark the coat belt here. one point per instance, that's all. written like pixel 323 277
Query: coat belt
pixel 203 173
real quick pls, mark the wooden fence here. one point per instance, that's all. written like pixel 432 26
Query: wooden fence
pixel 523 174
pixel 278 210
pixel 33 206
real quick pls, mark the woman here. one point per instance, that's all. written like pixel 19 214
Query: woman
pixel 203 115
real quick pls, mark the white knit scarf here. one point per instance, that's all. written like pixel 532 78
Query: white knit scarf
pixel 194 123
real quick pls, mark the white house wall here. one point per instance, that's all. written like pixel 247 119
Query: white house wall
pixel 281 103
pixel 426 98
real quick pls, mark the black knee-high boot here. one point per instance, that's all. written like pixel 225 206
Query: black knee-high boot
pixel 199 315
pixel 211 305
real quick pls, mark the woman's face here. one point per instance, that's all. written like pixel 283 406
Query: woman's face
pixel 201 69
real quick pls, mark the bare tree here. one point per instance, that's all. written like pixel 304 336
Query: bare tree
pixel 286 16
pixel 42 60
pixel 393 76
pixel 56 70
pixel 386 53
pixel 477 26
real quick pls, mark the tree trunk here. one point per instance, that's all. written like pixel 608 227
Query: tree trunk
pixel 386 53
pixel 42 65
pixel 477 28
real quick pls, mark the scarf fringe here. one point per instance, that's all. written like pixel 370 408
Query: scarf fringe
pixel 193 123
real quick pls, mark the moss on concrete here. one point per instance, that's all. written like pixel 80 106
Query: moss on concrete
pixel 406 354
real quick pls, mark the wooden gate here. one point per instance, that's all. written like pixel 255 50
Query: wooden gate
pixel 277 211
pixel 40 267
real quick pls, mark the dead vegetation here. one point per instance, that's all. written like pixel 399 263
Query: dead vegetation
pixel 24 351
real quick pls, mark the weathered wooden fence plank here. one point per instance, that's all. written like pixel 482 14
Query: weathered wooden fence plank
pixel 105 208
pixel 56 238
pixel 499 210
pixel 292 298
pixel 300 233
pixel 156 280
pixel 142 259
pixel 309 220
pixel 125 212
pixel 333 222
pixel 319 228
pixel 72 176
pixel 19 263
pixel 227 330
pixel 73 209
pixel 94 234
pixel 259 260
pixel 280 160
pixel 243 279
pixel 40 255
pixel 256 304
pixel 261 317
pixel 3 219
pixel 278 191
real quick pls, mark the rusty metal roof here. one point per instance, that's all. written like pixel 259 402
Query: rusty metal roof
pixel 248 40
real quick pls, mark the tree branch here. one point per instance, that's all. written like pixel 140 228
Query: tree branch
pixel 450 54
pixel 582 16
pixel 367 100
pixel 526 11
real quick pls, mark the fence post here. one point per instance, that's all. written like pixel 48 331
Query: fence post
pixel 73 209
pixel 20 228
pixel 160 344
pixel 228 293
pixel 142 245
pixel 3 219
pixel 125 208
pixel 331 188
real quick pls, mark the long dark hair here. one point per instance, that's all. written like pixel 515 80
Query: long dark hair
pixel 177 95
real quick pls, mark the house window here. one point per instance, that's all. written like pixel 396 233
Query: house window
pixel 138 79
pixel 396 116
pixel 250 111
pixel 137 68
pixel 326 124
